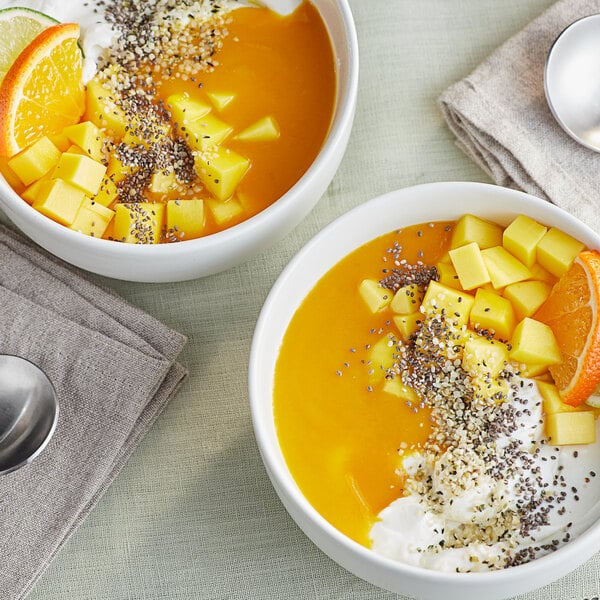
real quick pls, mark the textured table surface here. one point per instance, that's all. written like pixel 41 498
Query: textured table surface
pixel 193 514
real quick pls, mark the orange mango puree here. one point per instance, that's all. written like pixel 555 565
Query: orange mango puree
pixel 339 439
pixel 274 66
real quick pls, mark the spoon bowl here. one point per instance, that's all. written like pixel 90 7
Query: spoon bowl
pixel 572 81
pixel 28 412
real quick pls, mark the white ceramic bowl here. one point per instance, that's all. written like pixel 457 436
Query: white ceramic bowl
pixel 420 204
pixel 220 251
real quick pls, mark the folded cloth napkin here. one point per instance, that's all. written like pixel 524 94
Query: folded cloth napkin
pixel 114 370
pixel 501 119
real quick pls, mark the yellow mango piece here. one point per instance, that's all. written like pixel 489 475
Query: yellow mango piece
pixel 35 161
pixel 527 296
pixel 486 388
pixel 117 171
pixel 101 108
pixel 447 274
pixel 442 301
pixel 374 295
pixel 381 358
pixel 139 223
pixel 163 181
pixel 264 130
pixel 61 141
pixel 403 392
pixel 81 171
pixel 534 343
pixel 30 193
pixel 221 170
pixel 205 132
pixel 493 312
pixel 407 299
pixel 521 238
pixel 225 212
pixel 569 428
pixel 533 370
pixel 484 358
pixel 92 219
pixel 551 400
pixel 88 137
pixel 107 193
pixel 11 177
pixel 185 109
pixel 538 272
pixel 503 267
pixel 469 265
pixel 473 229
pixel 185 219
pixel 407 324
pixel 220 100
pixel 557 250
pixel 59 200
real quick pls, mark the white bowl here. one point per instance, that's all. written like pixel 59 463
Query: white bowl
pixel 219 251
pixel 420 204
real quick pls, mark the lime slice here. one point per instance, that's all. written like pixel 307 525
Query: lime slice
pixel 18 27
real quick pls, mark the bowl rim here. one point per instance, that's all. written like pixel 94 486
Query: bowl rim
pixel 580 549
pixel 345 104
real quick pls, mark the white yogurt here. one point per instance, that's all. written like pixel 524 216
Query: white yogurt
pixel 415 531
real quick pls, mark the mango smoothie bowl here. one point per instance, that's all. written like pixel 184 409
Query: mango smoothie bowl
pixel 423 382
pixel 169 140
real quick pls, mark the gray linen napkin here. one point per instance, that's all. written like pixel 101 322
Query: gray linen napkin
pixel 114 370
pixel 501 119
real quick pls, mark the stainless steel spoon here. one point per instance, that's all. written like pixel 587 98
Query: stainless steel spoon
pixel 572 81
pixel 28 412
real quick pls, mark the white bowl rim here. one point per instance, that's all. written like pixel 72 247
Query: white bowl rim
pixel 585 545
pixel 341 122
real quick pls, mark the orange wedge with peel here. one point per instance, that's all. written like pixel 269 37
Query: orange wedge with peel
pixel 571 311
pixel 42 92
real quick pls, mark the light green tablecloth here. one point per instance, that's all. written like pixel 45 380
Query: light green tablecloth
pixel 193 514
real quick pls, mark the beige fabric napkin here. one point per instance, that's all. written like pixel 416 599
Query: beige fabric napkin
pixel 501 119
pixel 114 370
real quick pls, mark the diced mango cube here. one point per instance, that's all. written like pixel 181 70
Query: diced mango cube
pixel 117 170
pixel 185 109
pixel 407 299
pixel 403 392
pixel 226 211
pixel 30 193
pixel 407 324
pixel 483 357
pixel 264 130
pixel 527 296
pixel 538 272
pixel 494 313
pixel 35 161
pixel 163 181
pixel 568 428
pixel 473 229
pixel 205 132
pixel 557 250
pixel 103 110
pixel 443 301
pixel 60 140
pixel 469 265
pixel 92 219
pixel 374 295
pixel 185 219
pixel 532 370
pixel 107 193
pixel 11 177
pixel 503 267
pixel 87 136
pixel 381 358
pixel 447 274
pixel 139 223
pixel 220 99
pixel 59 200
pixel 521 238
pixel 488 388
pixel 221 170
pixel 81 171
pixel 551 400
pixel 533 342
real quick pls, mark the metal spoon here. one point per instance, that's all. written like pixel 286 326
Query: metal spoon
pixel 572 81
pixel 28 412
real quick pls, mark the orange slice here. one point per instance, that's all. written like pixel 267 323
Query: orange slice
pixel 571 311
pixel 43 90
